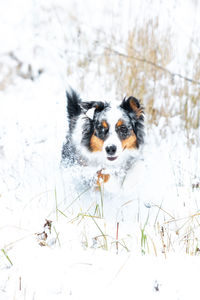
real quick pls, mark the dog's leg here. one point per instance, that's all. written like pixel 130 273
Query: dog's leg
pixel 102 178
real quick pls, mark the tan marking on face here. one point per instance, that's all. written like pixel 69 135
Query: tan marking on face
pixel 104 124
pixel 96 144
pixel 130 142
pixel 119 123
pixel 138 111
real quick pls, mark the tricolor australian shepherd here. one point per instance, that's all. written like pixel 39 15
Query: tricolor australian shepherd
pixel 103 135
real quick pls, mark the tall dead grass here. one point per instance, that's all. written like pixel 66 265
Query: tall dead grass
pixel 142 70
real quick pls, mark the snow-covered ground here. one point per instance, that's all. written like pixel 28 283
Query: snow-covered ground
pixel 58 241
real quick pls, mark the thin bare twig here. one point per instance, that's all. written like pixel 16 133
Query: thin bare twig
pixel 144 60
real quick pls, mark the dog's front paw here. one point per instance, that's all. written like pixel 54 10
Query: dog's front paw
pixel 102 178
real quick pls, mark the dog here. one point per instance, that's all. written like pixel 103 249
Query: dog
pixel 103 135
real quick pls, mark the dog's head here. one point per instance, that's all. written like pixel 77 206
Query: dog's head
pixel 113 132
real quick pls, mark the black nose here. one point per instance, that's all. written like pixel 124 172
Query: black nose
pixel 111 149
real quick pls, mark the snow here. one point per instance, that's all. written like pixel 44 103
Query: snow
pixel 140 242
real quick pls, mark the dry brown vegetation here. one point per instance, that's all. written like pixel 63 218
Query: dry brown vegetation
pixel 142 70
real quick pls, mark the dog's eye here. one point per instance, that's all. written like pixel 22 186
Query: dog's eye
pixel 123 129
pixel 102 131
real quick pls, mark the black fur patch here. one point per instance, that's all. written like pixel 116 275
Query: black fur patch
pixel 137 119
pixel 88 130
pixel 98 105
pixel 73 108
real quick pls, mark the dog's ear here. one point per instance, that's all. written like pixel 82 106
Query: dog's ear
pixel 132 105
pixel 136 114
pixel 88 108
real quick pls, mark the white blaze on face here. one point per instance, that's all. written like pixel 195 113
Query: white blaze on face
pixel 112 117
